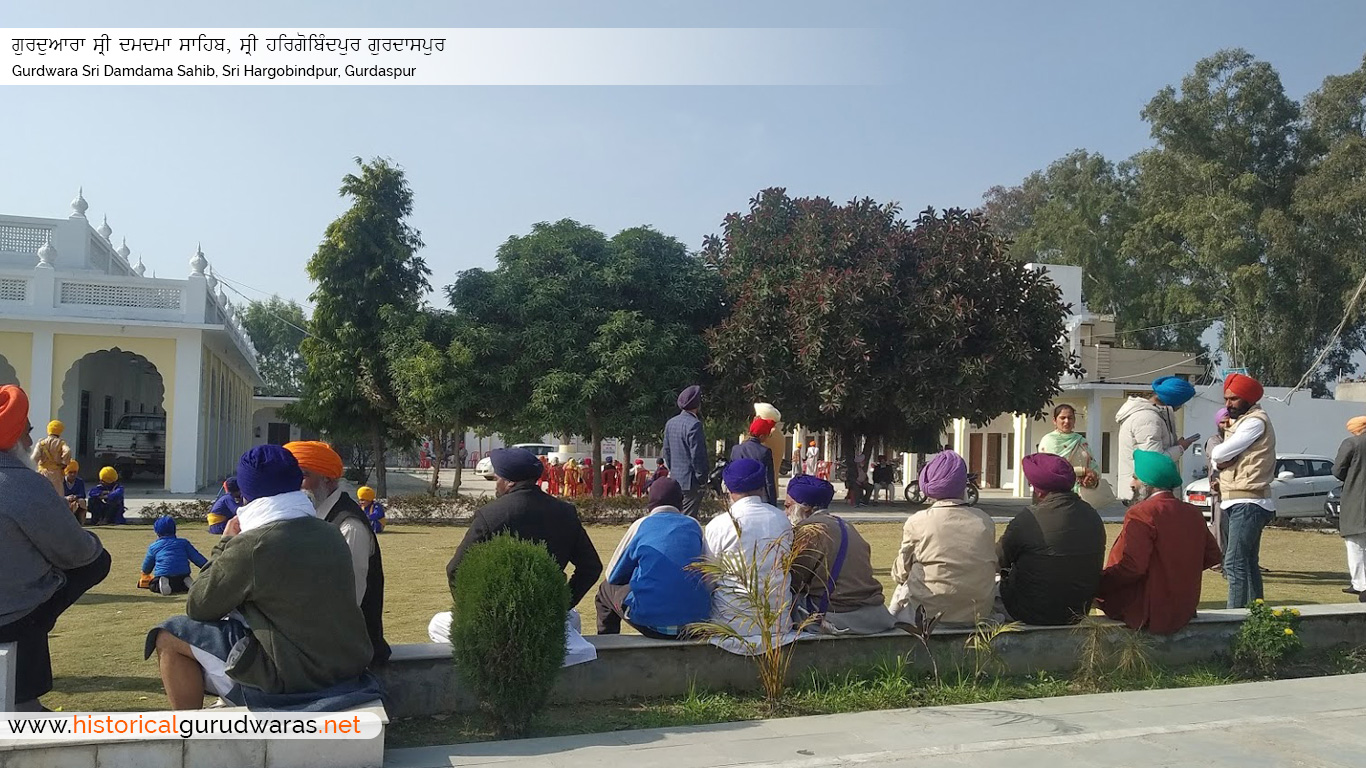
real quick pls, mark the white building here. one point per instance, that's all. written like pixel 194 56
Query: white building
pixel 91 338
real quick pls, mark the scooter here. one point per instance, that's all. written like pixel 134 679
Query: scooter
pixel 971 495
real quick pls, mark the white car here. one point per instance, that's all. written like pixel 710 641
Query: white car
pixel 485 465
pixel 1300 487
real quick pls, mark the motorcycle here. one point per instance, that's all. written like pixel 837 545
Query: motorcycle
pixel 971 495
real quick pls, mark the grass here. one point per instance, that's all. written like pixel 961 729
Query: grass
pixel 888 686
pixel 97 645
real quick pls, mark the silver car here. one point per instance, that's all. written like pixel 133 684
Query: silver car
pixel 1300 488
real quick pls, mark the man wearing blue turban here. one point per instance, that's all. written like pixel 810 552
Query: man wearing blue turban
pixel 759 535
pixel 833 575
pixel 1149 424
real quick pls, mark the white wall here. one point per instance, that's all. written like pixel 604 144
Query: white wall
pixel 260 429
pixel 1306 425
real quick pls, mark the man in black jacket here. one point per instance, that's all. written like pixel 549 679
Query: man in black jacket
pixel 529 513
pixel 1052 554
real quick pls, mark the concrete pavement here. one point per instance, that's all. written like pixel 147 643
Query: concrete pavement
pixel 1307 722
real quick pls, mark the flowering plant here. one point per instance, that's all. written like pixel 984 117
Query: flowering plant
pixel 1267 638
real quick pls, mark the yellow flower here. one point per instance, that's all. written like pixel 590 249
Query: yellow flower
pixel 1289 631
pixel 1276 613
pixel 1294 611
pixel 1259 601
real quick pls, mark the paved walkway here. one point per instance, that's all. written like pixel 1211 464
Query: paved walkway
pixel 1310 722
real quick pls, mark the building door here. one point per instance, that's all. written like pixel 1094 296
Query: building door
pixel 277 433
pixel 992 478
pixel 975 453
pixel 84 424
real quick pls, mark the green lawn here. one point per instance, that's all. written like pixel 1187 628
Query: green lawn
pixel 97 645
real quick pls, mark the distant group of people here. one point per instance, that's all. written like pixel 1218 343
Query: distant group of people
pixel 575 478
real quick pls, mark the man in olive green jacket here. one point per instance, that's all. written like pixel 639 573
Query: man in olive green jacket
pixel 275 609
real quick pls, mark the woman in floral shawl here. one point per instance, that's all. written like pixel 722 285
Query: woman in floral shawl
pixel 1064 442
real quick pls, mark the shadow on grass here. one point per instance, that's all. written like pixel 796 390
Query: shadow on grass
pixel 142 596
pixel 106 683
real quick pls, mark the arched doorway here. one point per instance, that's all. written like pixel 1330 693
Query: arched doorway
pixel 113 405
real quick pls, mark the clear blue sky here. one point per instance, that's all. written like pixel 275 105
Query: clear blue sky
pixel 981 94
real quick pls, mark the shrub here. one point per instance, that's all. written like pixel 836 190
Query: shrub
pixel 508 628
pixel 747 585
pixel 193 510
pixel 1267 639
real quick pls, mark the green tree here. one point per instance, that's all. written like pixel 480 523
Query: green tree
pixel 1218 195
pixel 589 336
pixel 435 374
pixel 1079 211
pixel 848 318
pixel 277 328
pixel 368 275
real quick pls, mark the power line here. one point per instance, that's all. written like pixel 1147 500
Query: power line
pixel 1169 325
pixel 1337 333
pixel 228 283
pixel 1167 367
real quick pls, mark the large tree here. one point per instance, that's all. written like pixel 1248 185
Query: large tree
pixel 1079 211
pixel 277 329
pixel 436 375
pixel 367 274
pixel 588 336
pixel 848 318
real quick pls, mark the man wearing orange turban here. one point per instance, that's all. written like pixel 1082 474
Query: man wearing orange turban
pixel 49 560
pixel 323 468
pixel 1350 468
pixel 1247 465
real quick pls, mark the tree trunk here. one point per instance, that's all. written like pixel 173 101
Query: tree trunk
pixel 626 443
pixel 849 446
pixel 381 476
pixel 439 449
pixel 459 430
pixel 595 434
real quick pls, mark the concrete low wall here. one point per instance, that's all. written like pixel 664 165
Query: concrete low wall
pixel 422 680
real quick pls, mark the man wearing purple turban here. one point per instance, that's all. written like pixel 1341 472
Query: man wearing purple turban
pixel 947 561
pixel 1052 554
pixel 685 450
pixel 833 575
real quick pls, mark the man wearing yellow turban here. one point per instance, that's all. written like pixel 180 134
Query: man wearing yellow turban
pixel 322 469
pixel 51 454
pixel 73 488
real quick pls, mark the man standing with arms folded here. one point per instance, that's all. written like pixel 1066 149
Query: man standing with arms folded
pixel 1247 465
pixel 685 450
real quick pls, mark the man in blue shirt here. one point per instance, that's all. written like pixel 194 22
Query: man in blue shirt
pixel 648 580
pixel 685 450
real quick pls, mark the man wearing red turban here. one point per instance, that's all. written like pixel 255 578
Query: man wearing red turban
pixel 753 448
pixel 1247 465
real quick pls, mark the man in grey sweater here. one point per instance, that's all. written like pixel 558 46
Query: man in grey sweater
pixel 47 561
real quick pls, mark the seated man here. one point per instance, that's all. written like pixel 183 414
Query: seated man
pixel 106 499
pixel 73 487
pixel 833 575
pixel 1051 554
pixel 648 581
pixel 273 620
pixel 49 561
pixel 524 510
pixel 757 538
pixel 166 566
pixel 947 561
pixel 1152 579
pixel 225 507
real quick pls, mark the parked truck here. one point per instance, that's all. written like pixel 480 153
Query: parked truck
pixel 137 443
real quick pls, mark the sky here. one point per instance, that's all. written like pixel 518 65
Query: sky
pixel 971 95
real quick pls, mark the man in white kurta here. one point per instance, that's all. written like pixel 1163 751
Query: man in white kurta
pixel 751 533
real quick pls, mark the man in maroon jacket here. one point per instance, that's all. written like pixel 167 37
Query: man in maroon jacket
pixel 1152 579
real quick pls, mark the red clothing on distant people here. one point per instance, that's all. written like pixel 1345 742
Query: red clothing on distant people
pixel 545 473
pixel 609 479
pixel 556 479
pixel 1152 579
